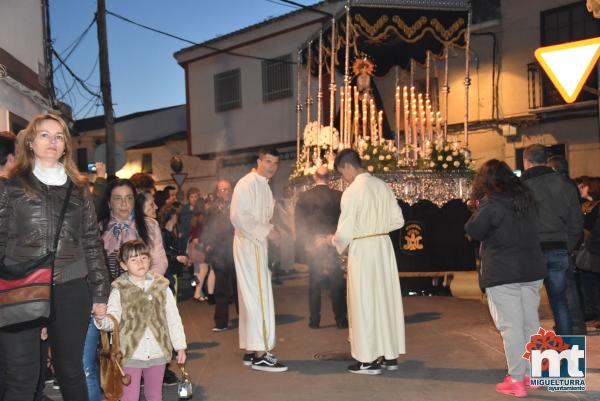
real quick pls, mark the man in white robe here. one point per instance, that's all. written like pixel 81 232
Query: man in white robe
pixel 251 211
pixel 369 211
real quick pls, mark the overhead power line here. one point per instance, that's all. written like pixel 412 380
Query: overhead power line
pixel 215 49
pixel 70 71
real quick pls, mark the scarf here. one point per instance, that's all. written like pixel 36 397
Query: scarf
pixel 116 234
pixel 50 175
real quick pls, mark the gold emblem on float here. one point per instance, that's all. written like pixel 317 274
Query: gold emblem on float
pixel 413 238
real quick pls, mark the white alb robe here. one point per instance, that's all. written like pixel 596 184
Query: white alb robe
pixel 251 211
pixel 368 209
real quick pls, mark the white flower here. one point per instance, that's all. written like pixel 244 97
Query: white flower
pixel 455 153
pixel 386 169
pixel 441 158
pixel 388 157
pixel 446 148
pixel 457 164
pixel 449 158
pixel 374 151
pixel 381 157
pixel 445 165
pixel 467 162
pixel 394 149
pixel 370 169
pixel 432 164
pixel 367 157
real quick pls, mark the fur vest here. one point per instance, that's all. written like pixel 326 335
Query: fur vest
pixel 141 310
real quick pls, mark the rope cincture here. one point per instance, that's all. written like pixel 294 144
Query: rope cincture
pixel 262 307
pixel 369 236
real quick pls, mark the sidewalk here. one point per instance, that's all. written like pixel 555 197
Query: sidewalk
pixel 453 353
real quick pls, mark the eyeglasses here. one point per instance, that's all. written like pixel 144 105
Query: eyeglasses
pixel 121 199
pixel 45 136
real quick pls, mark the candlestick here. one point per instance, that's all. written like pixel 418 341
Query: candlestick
pixel 398 117
pixel 364 114
pixel 428 119
pixel 342 117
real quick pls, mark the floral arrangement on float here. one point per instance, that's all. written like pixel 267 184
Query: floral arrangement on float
pixel 450 157
pixel 316 150
pixel 379 157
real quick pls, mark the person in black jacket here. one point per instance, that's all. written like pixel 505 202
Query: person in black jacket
pixel 512 263
pixel 560 227
pixel 218 239
pixel 317 214
pixel 30 203
pixel 176 259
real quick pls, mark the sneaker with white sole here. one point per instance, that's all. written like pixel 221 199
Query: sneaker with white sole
pixel 248 358
pixel 360 368
pixel 220 329
pixel 268 363
pixel 389 364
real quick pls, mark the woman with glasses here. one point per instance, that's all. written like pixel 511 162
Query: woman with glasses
pixel 31 200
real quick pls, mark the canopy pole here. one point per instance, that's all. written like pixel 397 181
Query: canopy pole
pixel 347 76
pixel 309 99
pixel 467 78
pixel 332 86
pixel 298 105
pixel 320 96
pixel 446 93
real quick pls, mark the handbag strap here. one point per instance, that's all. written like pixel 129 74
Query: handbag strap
pixel 61 218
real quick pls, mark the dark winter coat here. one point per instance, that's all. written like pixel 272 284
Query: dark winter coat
pixel 560 223
pixel 28 223
pixel 511 250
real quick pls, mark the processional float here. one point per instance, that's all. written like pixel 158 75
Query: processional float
pixel 407 144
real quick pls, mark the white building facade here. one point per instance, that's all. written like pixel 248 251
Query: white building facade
pixel 24 91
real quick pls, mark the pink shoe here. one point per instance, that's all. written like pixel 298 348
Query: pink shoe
pixel 527 382
pixel 511 387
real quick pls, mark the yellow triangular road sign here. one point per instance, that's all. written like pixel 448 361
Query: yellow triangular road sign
pixel 568 65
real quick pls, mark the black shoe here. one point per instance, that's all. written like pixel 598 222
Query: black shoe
pixel 342 324
pixel 210 299
pixel 268 363
pixel 389 364
pixel 277 281
pixel 169 379
pixel 49 376
pixel 372 368
pixel 248 358
pixel 313 325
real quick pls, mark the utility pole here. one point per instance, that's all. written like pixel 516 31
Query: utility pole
pixel 109 120
pixel 48 55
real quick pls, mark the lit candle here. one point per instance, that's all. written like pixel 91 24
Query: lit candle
pixel 356 115
pixel 398 117
pixel 438 124
pixel 429 119
pixel 406 125
pixel 342 116
pixel 372 119
pixel 380 126
pixel 364 114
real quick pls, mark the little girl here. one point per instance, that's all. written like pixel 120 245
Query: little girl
pixel 150 325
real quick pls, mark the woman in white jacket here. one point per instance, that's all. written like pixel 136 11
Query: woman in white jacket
pixel 150 325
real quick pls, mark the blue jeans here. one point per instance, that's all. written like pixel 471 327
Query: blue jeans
pixel 557 261
pixel 90 362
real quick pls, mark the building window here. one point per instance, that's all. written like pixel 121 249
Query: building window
pixel 277 78
pixel 228 90
pixel 82 160
pixel 147 163
pixel 567 24
pixel 485 10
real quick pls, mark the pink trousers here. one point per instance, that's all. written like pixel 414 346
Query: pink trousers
pixel 153 380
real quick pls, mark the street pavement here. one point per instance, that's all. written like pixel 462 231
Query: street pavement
pixel 453 353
